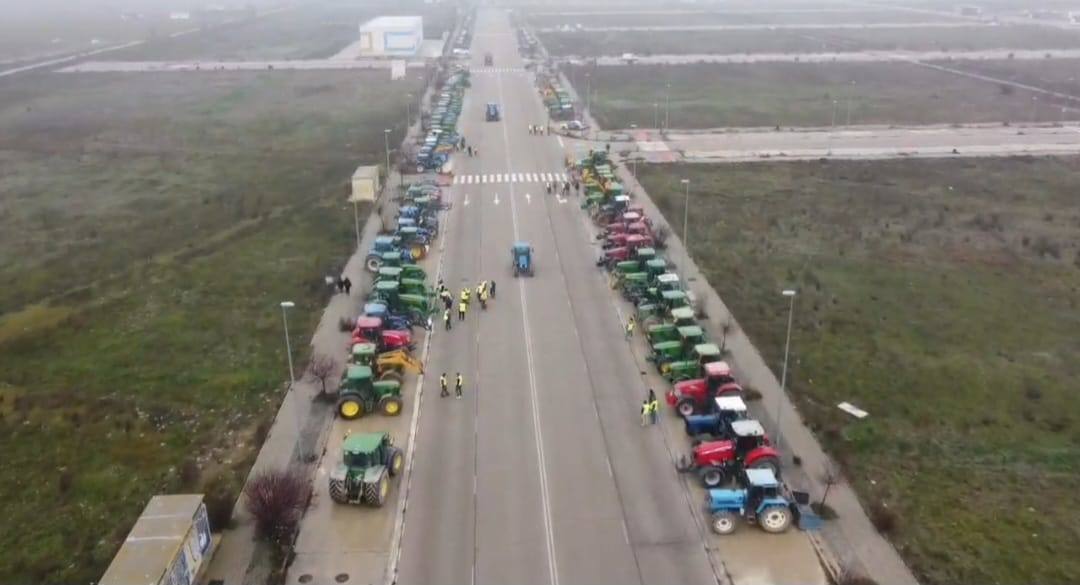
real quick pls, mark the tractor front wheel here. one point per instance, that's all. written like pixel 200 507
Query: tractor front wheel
pixel 712 477
pixel 724 522
pixel 350 407
pixel 390 405
pixel 373 263
pixel 392 375
pixel 775 519
pixel 338 493
pixel 685 407
pixel 396 461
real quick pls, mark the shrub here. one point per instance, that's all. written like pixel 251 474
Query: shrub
pixel 189 474
pixel 276 499
pixel 751 394
pixel 883 518
pixel 220 498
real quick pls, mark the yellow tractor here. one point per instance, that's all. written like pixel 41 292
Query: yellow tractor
pixel 390 365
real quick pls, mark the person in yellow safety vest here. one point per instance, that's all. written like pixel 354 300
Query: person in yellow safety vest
pixel 465 295
pixel 442 385
pixel 654 407
pixel 461 308
pixel 630 327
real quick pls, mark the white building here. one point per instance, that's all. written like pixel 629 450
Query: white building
pixel 391 36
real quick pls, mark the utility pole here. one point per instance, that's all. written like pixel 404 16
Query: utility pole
pixel 783 376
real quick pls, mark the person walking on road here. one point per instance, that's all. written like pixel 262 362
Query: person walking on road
pixel 461 308
pixel 645 412
pixel 447 299
pixel 483 296
pixel 346 284
pixel 465 295
pixel 654 407
pixel 446 319
pixel 458 384
pixel 444 391
pixel 629 327
pixel 491 288
pixel 470 151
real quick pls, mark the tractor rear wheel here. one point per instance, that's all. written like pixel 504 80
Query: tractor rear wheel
pixel 712 477
pixel 775 519
pixel 724 522
pixel 395 462
pixel 350 407
pixel 338 493
pixel 375 493
pixel 373 263
pixel 770 463
pixel 685 407
pixel 390 405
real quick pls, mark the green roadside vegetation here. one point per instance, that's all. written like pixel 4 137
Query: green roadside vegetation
pixel 941 296
pixel 797 94
pixel 149 226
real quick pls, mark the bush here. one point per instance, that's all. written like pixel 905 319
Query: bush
pixel 751 394
pixel 189 474
pixel 883 518
pixel 220 498
pixel 276 499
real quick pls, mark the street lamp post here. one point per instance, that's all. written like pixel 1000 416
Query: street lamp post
pixel 356 221
pixel 386 143
pixel 1034 109
pixel 686 218
pixel 408 112
pixel 656 115
pixel 834 106
pixel 588 93
pixel 667 106
pixel 285 305
pixel 783 375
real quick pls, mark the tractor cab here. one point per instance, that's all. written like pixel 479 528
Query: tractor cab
pixel 492 112
pixel 691 336
pixel 412 271
pixel 682 316
pixel 385 290
pixel 363 354
pixel 522 257
pixel 360 394
pixel 665 352
pixel 748 435
pixel 717 424
pixel 673 299
pixel 634 284
pixel 627 267
pixel 637 241
pixel 645 254
pixel 661 332
pixel 655 267
pixel 629 217
pixel 690 397
pixel 370 330
pixel 640 228
pixel 411 286
pixel 690 362
pixel 405 222
pixel 668 281
pixel 392 273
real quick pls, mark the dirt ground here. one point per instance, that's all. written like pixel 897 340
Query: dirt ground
pixel 1060 75
pixel 939 296
pixel 800 16
pixel 794 94
pixel 149 226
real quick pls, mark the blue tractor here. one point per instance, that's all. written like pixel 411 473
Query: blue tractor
pixel 761 501
pixel 522 256
pixel 386 251
pixel 716 424
pixel 492 114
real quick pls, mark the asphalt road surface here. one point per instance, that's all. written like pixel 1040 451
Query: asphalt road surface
pixel 541 473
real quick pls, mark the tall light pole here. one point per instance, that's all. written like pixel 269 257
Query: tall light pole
pixel 783 376
pixel 656 115
pixel 285 305
pixel 1034 109
pixel 356 221
pixel 851 97
pixel 588 93
pixel 685 219
pixel 667 106
pixel 408 112
pixel 386 143
pixel 834 106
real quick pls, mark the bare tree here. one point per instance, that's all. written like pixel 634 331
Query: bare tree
pixel 276 499
pixel 830 476
pixel 321 367
pixel 726 328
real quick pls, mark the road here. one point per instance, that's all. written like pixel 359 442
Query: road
pixel 871 143
pixel 767 27
pixel 834 57
pixel 541 473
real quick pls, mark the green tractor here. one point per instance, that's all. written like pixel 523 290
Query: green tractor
pixel 405 272
pixel 398 295
pixel 691 367
pixel 360 394
pixel 678 348
pixel 368 461
pixel 656 267
pixel 412 286
pixel 682 316
pixel 660 332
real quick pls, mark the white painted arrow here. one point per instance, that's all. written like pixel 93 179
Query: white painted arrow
pixel 560 199
pixel 466 199
pixel 496 199
pixel 528 198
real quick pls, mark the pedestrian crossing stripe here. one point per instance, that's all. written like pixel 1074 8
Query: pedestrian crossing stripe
pixel 497 70
pixel 500 178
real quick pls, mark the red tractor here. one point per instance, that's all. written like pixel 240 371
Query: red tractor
pixel 620 253
pixel 370 330
pixel 717 462
pixel 696 396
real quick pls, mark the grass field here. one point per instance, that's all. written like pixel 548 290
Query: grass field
pixel 801 16
pixel 149 226
pixel 592 44
pixel 941 297
pixel 794 94
pixel 1061 75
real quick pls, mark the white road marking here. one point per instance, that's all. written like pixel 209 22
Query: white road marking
pixel 561 145
pixel 545 498
pixel 466 199
pixel 528 198
pixel 496 199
